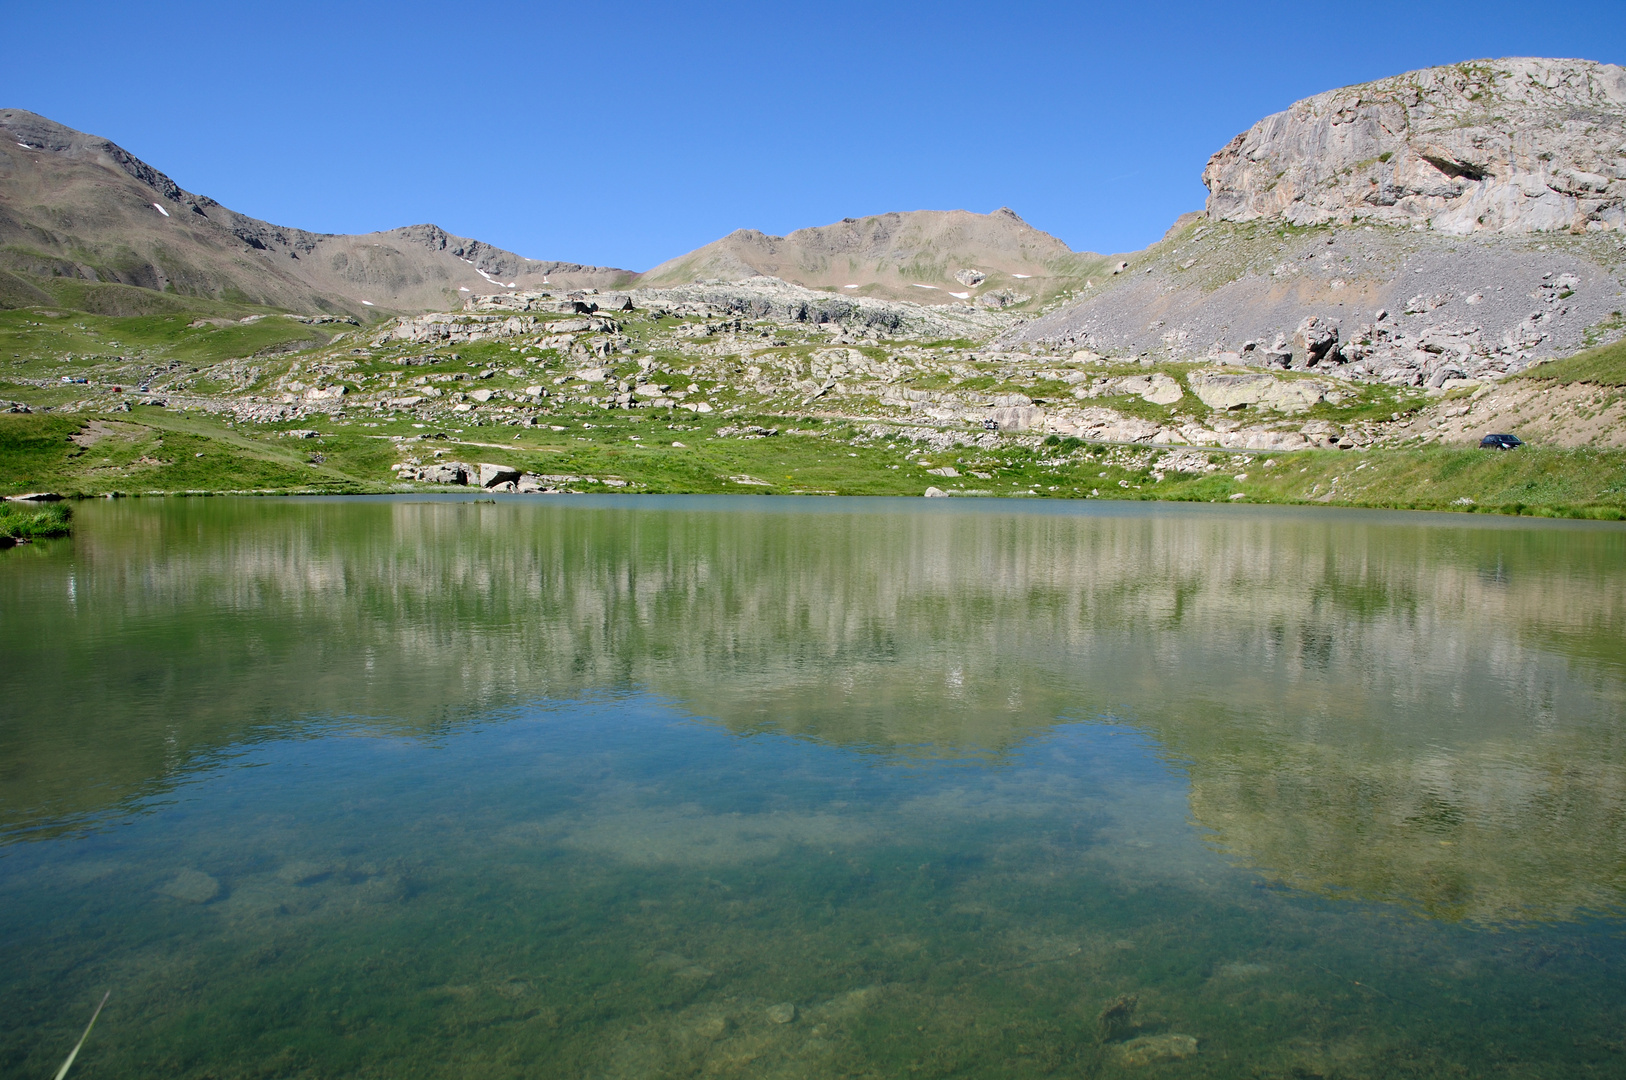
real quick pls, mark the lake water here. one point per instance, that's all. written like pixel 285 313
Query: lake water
pixel 651 787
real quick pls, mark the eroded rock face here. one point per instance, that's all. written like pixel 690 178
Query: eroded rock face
pixel 1514 145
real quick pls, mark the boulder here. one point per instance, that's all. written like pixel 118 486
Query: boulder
pixel 445 472
pixel 1316 339
pixel 970 278
pixel 492 475
pixel 936 493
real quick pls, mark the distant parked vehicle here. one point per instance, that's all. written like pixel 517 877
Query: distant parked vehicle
pixel 1500 442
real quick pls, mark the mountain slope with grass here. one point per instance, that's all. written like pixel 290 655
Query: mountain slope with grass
pixel 76 208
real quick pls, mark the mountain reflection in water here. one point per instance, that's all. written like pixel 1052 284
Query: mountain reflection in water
pixel 1423 710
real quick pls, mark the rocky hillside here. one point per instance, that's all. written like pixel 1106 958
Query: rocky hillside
pixel 1514 145
pixel 1453 224
pixel 75 206
pixel 994 261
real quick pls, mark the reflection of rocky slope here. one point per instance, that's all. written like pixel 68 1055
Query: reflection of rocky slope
pixel 77 206
pixel 1462 221
pixel 1345 694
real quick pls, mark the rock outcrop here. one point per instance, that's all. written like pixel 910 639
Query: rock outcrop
pixel 1513 145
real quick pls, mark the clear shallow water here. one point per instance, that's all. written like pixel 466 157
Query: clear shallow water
pixel 590 787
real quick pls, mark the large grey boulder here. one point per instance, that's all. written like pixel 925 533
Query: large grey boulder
pixel 446 472
pixel 1317 340
pixel 492 475
pixel 1514 145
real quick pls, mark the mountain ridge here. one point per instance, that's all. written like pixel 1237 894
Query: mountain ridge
pixel 74 205
pixel 996 260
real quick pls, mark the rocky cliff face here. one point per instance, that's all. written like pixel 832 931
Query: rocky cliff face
pixel 1514 145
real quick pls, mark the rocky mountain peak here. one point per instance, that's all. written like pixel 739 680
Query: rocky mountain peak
pixel 1515 145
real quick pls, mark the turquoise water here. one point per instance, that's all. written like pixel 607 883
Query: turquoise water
pixel 755 787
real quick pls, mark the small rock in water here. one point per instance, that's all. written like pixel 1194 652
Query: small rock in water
pixel 1117 1020
pixel 301 872
pixel 193 886
pixel 783 1013
pixel 1151 1048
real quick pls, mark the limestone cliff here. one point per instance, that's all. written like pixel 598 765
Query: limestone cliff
pixel 1514 145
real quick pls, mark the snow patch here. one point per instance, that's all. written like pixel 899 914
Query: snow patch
pixel 491 279
pixel 462 288
pixel 369 303
pixel 1021 275
pixel 960 295
pixel 160 209
pixel 25 146
pixel 918 285
pixel 849 286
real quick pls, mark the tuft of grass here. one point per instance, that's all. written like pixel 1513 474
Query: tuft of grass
pixel 33 521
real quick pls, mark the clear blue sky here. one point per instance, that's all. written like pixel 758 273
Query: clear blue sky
pixel 624 134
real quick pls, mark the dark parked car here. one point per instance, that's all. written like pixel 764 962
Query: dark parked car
pixel 1500 442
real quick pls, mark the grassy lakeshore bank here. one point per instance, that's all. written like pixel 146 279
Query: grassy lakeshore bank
pixel 152 451
pixel 33 521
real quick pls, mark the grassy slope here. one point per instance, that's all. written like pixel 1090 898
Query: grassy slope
pixel 1602 366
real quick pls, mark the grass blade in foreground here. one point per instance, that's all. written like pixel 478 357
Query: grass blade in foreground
pixel 66 1065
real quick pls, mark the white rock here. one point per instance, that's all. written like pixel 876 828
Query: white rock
pixel 1233 390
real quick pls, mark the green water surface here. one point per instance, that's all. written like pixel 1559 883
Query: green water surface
pixel 672 787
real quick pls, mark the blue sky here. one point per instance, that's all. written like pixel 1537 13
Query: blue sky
pixel 624 134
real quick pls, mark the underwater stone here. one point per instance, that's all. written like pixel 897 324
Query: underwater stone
pixel 1150 1048
pixel 782 1013
pixel 193 886
pixel 1117 1020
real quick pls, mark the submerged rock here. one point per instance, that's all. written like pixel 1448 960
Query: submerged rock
pixel 1117 1019
pixel 1148 1049
pixel 783 1013
pixel 192 886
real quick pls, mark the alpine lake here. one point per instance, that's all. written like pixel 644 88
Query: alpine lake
pixel 609 787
